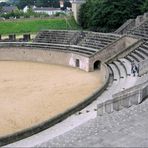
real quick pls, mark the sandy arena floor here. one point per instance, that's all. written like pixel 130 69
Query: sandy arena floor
pixel 33 92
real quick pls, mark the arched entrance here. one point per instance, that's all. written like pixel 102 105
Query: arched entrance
pixel 77 63
pixel 97 65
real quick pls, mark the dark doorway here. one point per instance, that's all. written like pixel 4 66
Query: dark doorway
pixel 77 63
pixel 97 65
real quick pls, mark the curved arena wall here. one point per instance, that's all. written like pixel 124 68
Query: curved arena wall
pixel 47 56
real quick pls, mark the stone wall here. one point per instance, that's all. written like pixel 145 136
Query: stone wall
pixel 124 99
pixel 43 53
pixel 143 67
pixel 132 23
pixel 129 24
pixel 111 51
pixel 129 49
pixel 14 38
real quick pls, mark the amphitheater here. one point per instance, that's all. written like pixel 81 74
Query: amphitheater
pixel 113 114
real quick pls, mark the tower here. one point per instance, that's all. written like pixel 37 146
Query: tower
pixel 61 3
pixel 76 4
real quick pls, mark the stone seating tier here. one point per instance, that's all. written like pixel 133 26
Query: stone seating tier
pixel 59 37
pixel 86 39
pixel 97 40
pixel 70 48
pixel 141 31
pixel 105 130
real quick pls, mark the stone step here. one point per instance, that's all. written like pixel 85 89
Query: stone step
pixel 140 54
pixel 143 50
pixel 116 72
pixel 127 65
pixel 129 58
pixel 125 123
pixel 121 69
pixel 135 57
pixel 81 51
pixel 123 78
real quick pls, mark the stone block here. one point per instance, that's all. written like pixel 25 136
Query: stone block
pixel 26 37
pixel 109 106
pixel 134 100
pixel 139 19
pixel 116 104
pixel 144 92
pixel 145 15
pixel 125 102
pixel 100 109
pixel 12 37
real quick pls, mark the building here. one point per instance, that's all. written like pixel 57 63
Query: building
pixel 8 9
pixel 47 10
pixel 25 9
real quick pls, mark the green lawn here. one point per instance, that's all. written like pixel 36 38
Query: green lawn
pixel 35 25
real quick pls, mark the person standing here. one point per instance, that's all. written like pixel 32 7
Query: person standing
pixel 137 69
pixel 132 67
pixel 134 70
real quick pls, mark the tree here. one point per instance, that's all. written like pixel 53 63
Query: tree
pixel 4 4
pixel 1 9
pixel 22 3
pixel 108 15
pixel 144 7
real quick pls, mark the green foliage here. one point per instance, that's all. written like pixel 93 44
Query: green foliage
pixel 144 7
pixel 108 15
pixel 60 14
pixel 35 25
pixel 47 3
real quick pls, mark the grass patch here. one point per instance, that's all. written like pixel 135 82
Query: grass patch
pixel 35 25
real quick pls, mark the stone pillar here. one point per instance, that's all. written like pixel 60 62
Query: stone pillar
pixel 145 16
pixel 116 104
pixel 12 37
pixel 139 19
pixel 109 106
pixel 75 8
pixel 100 109
pixel 144 92
pixel 26 37
pixel 134 100
pixel 126 102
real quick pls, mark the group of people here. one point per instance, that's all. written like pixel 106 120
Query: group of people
pixel 134 69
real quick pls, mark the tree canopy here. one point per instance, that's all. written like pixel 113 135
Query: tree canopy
pixel 144 7
pixel 108 15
